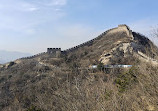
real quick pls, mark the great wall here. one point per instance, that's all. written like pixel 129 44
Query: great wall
pixel 57 51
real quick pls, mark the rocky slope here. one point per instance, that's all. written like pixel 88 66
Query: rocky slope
pixel 44 83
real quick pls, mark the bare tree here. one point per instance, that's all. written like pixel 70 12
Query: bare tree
pixel 155 32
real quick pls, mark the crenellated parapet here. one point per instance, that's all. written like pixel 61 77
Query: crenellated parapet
pixel 90 42
pixel 31 57
pixel 54 52
pixel 86 43
pixel 57 52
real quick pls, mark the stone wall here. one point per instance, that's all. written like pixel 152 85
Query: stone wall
pixel 56 52
pixel 122 28
pixel 53 50
pixel 31 57
pixel 90 42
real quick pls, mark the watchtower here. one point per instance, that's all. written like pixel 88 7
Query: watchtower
pixel 127 28
pixel 54 52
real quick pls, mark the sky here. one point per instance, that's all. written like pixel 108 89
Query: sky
pixel 32 26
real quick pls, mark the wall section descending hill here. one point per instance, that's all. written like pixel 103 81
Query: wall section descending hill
pixel 120 28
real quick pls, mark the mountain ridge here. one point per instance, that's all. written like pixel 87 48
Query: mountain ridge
pixel 120 27
pixel 121 35
pixel 80 80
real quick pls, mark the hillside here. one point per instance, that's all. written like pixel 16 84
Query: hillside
pixel 66 81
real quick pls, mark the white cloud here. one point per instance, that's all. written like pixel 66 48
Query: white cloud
pixel 30 31
pixel 17 6
pixel 32 9
pixel 24 16
pixel 59 2
pixel 25 6
pixel 57 9
pixel 50 2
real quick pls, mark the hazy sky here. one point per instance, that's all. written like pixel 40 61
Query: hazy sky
pixel 33 25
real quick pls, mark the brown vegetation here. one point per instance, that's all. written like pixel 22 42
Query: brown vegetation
pixel 67 84
pixel 132 89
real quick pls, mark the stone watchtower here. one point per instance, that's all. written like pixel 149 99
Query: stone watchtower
pixel 54 52
pixel 128 30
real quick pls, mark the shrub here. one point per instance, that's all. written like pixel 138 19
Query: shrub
pixel 2 79
pixel 11 64
pixel 126 79
pixel 108 94
pixel 100 66
pixel 33 108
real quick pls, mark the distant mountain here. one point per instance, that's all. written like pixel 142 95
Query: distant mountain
pixel 7 56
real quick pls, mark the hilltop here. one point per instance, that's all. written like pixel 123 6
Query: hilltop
pixel 59 80
pixel 114 44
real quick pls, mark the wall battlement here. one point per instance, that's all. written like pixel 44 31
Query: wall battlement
pixel 54 52
pixel 122 27
pixel 57 52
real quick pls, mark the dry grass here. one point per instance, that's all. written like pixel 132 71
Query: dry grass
pixel 81 91
pixel 65 86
